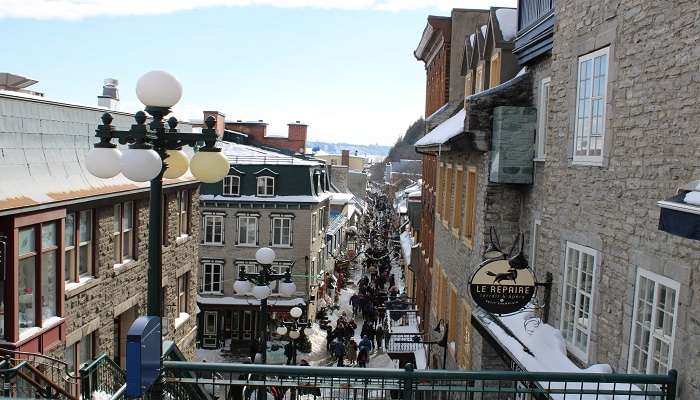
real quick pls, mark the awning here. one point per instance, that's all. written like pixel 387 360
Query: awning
pixel 679 218
pixel 445 131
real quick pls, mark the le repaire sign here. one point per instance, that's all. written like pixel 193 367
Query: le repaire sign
pixel 501 289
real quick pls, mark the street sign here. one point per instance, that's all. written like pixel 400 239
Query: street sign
pixel 143 349
pixel 500 288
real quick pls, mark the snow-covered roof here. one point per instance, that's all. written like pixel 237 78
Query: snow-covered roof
pixel 242 154
pixel 483 30
pixel 415 194
pixel 406 245
pixel 271 199
pixel 252 301
pixel 341 198
pixel 335 225
pixel 445 131
pixel 507 22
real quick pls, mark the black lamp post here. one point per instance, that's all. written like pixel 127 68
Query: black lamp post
pixel 293 329
pixel 258 284
pixel 155 153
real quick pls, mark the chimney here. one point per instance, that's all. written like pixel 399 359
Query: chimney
pixel 220 121
pixel 296 134
pixel 110 94
pixel 345 157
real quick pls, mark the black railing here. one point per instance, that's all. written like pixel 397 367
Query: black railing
pixel 404 342
pixel 530 11
pixel 101 375
pixel 49 373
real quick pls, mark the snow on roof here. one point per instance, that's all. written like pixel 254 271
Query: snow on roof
pixel 406 244
pixel 549 349
pixel 415 194
pixel 252 301
pixel 445 131
pixel 271 199
pixel 341 198
pixel 508 22
pixel 483 30
pixel 242 154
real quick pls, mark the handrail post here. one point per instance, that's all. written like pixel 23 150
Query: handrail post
pixel 408 382
pixel 673 375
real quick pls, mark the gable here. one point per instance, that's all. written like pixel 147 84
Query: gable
pixel 266 171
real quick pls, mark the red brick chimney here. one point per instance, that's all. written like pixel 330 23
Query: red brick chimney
pixel 255 130
pixel 220 121
pixel 296 135
pixel 345 157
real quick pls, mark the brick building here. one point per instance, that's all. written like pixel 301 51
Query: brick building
pixel 77 245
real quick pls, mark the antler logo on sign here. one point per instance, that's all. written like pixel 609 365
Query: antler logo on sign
pixel 499 288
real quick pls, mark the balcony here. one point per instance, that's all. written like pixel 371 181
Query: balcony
pixel 535 29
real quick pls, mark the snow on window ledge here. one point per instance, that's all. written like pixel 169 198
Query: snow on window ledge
pixel 29 332
pixel 182 239
pixel 181 319
pixel 84 282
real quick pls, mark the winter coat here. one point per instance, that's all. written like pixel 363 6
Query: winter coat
pixel 351 350
pixel 339 348
pixel 365 343
pixel 379 334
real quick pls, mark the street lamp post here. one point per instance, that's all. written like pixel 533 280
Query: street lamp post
pixel 155 152
pixel 258 285
pixel 293 329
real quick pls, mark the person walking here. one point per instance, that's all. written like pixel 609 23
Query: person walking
pixel 339 351
pixel 363 355
pixel 379 336
pixel 351 351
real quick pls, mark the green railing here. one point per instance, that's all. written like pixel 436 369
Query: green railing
pixel 101 375
pixel 245 381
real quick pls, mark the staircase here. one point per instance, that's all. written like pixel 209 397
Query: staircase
pixel 34 375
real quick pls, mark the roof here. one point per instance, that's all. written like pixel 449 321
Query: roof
pixel 43 144
pixel 445 131
pixel 265 199
pixel 243 154
pixel 341 198
pixel 507 19
pixel 336 224
pixel 436 25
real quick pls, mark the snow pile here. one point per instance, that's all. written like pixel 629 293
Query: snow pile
pixel 692 198
pixel 508 22
pixel 101 395
pixel 445 131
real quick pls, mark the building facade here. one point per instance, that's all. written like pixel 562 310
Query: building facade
pixel 269 199
pixel 76 246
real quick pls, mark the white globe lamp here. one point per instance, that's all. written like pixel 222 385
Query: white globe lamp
pixel 103 162
pixel 265 256
pixel 308 331
pixel 209 166
pixel 242 286
pixel 176 164
pixel 158 89
pixel 288 289
pixel 295 312
pixel 261 291
pixel 140 165
pixel 282 330
pixel 294 334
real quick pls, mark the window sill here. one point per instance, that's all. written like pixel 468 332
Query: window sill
pixel 539 159
pixel 455 233
pixel 85 283
pixel 213 244
pixel 181 319
pixel 213 294
pixel 123 267
pixel 282 246
pixel 587 162
pixel 37 330
pixel 246 245
pixel 182 239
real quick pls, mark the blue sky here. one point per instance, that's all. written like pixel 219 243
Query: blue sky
pixel 344 67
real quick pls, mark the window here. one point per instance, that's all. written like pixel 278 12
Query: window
pixel 577 302
pixel 213 229
pixel 534 243
pixel 38 247
pixel 470 207
pixel 495 74
pixel 77 234
pixel 247 230
pixel 266 186
pixel 281 231
pixel 653 323
pixel 447 194
pixel 479 80
pixel 542 115
pixel 314 229
pixel 232 185
pixel 459 200
pixel 591 99
pixel 211 281
pixel 182 298
pixel 69 247
pixel 123 232
pixel 468 84
pixel 183 212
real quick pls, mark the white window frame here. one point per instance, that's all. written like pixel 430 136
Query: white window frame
pixel 595 160
pixel 208 274
pixel 238 230
pixel 658 280
pixel 314 231
pixel 264 180
pixel 581 354
pixel 213 219
pixel 282 220
pixel 542 116
pixel 228 184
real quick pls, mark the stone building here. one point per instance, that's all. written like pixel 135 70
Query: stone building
pixel 269 199
pixel 76 260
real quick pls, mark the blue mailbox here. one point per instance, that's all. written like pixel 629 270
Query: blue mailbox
pixel 143 348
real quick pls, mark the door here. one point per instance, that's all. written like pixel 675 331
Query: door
pixel 235 325
pixel 209 339
pixel 248 325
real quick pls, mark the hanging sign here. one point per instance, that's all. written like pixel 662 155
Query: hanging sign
pixel 499 288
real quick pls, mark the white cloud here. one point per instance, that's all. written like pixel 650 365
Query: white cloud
pixel 79 9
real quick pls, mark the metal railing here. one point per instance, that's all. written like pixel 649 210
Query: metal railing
pixel 404 342
pixel 51 374
pixel 245 381
pixel 101 375
pixel 22 380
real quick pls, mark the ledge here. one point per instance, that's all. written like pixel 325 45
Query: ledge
pixel 75 288
pixel 182 239
pixel 124 267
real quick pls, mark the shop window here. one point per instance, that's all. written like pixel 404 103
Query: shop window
pixel 577 302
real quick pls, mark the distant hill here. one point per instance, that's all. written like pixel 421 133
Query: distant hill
pixel 402 150
pixel 362 149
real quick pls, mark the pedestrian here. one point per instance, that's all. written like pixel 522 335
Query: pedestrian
pixel 379 336
pixel 329 338
pixel 339 351
pixel 363 355
pixel 289 352
pixel 351 351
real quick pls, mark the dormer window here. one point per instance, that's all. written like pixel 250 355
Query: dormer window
pixel 266 186
pixel 232 185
